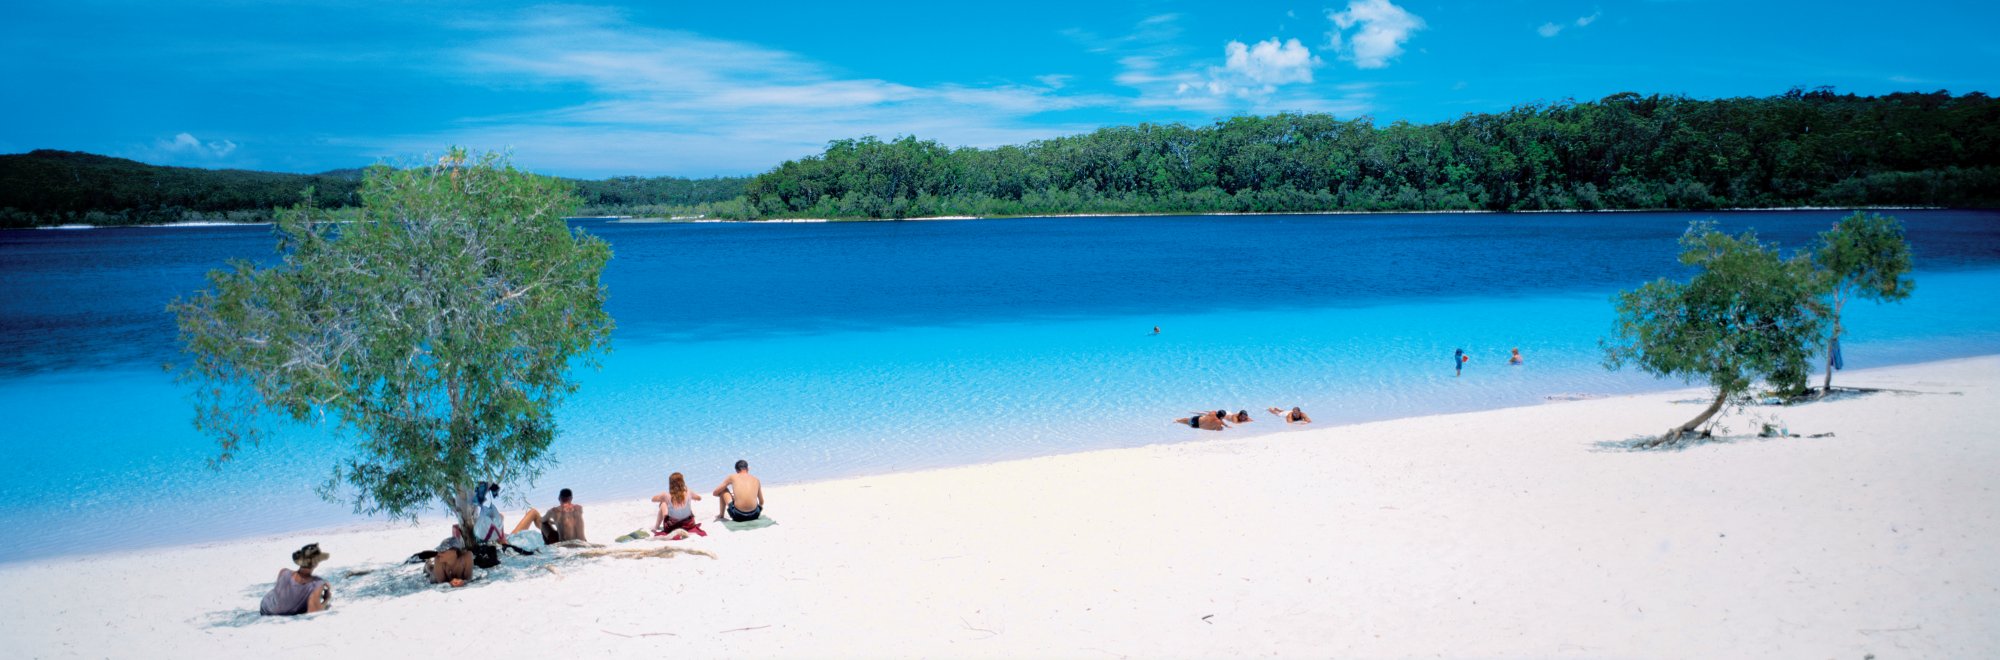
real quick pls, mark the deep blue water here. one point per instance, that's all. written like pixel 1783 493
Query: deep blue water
pixel 826 350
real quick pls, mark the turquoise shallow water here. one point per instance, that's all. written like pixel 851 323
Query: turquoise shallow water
pixel 838 350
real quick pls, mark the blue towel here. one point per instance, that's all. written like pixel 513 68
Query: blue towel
pixel 1838 363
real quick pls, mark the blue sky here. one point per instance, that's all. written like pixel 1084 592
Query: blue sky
pixel 706 88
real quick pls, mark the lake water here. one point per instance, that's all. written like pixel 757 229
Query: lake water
pixel 828 350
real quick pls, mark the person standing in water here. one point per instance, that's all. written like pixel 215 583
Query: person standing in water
pixel 1458 360
pixel 1516 358
pixel 1156 329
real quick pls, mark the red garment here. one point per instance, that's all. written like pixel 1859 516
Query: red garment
pixel 688 524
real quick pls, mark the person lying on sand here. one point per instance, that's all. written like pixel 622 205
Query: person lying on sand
pixel 1293 416
pixel 298 591
pixel 1212 420
pixel 563 522
pixel 742 495
pixel 451 566
pixel 676 517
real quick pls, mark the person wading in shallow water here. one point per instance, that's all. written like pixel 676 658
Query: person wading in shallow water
pixel 1213 420
pixel 1458 360
pixel 1293 416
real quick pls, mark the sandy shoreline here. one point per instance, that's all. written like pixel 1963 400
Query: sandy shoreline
pixel 1512 532
pixel 656 220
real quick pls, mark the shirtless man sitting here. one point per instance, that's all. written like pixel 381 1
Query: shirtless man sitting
pixel 742 495
pixel 564 522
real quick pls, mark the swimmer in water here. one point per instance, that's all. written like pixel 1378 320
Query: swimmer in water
pixel 1293 416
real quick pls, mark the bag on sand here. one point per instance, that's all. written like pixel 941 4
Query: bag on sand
pixel 485 555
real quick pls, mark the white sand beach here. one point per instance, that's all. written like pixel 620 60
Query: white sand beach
pixel 1513 533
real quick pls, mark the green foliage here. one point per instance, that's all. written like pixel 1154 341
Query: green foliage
pixel 1863 256
pixel 1625 151
pixel 665 195
pixel 436 329
pixel 1748 315
pixel 48 187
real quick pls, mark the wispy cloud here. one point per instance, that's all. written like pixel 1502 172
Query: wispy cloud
pixel 185 144
pixel 684 102
pixel 1379 30
pixel 1553 29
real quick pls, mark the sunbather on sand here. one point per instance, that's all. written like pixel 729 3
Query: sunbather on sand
pixel 298 591
pixel 1293 416
pixel 1212 420
pixel 742 495
pixel 451 566
pixel 563 522
pixel 676 516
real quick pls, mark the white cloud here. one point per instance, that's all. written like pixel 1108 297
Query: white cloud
pixel 1270 62
pixel 1272 75
pixel 675 102
pixel 188 144
pixel 1553 29
pixel 1382 29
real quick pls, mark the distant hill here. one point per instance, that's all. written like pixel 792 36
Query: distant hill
pixel 50 187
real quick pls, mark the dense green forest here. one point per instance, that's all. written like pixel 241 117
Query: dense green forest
pixel 656 196
pixel 48 187
pixel 1625 151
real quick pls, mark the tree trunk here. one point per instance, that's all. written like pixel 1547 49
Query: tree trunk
pixel 467 510
pixel 1692 424
pixel 1827 386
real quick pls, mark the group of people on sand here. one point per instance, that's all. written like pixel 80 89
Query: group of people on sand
pixel 1219 419
pixel 740 498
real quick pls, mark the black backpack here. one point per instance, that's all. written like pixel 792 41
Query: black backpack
pixel 485 555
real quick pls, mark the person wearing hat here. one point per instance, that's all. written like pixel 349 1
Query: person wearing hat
pixel 299 592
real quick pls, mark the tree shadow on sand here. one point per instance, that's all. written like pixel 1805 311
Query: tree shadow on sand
pixel 386 581
pixel 1762 422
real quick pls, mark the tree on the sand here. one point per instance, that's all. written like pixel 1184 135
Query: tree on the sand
pixel 1748 315
pixel 1863 256
pixel 436 331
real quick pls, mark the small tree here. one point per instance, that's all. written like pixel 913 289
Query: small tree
pixel 1748 314
pixel 436 328
pixel 1863 256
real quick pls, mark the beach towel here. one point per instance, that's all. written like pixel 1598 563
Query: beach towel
pixel 1838 362
pixel 527 541
pixel 636 535
pixel 685 523
pixel 747 525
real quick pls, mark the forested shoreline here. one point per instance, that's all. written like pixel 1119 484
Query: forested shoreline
pixel 1625 151
pixel 47 187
